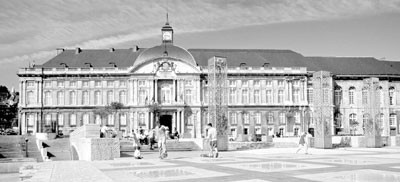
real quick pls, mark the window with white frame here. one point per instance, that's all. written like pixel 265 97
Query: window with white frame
pixel 232 95
pixel 338 95
pixel 296 96
pixel 141 119
pixel 72 98
pixel 351 95
pixel 97 98
pixel 47 84
pixel 98 119
pixel 60 98
pixel 246 117
pixel 188 82
pixel 282 118
pixel 72 83
pixel 166 94
pixel 352 118
pixel 47 119
pixel 232 117
pixel 310 95
pixel 365 119
pixel 188 96
pixel 190 120
pixel 256 96
pixel 268 83
pixel 142 96
pixel 245 96
pixel 97 83
pixel 85 98
pixel 110 119
pixel 280 96
pixel 270 118
pixel 31 98
pixel 381 96
pixel 31 119
pixel 85 83
pixel 280 83
pixel 392 119
pixel 142 83
pixel 258 118
pixel 60 83
pixel 232 82
pixel 268 96
pixel 296 83
pixel 72 119
pixel 297 117
pixel 60 119
pixel 391 96
pixel 110 97
pixel 122 83
pixel 364 96
pixel 122 119
pixel 122 97
pixel 85 118
pixel 256 83
pixel 110 83
pixel 244 82
pixel 47 98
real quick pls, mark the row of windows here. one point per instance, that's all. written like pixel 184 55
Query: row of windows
pixel 97 83
pixel 366 117
pixel 234 96
pixel 364 96
pixel 233 116
pixel 268 83
pixel 84 120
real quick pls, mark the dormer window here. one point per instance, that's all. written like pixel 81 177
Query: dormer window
pixel 243 66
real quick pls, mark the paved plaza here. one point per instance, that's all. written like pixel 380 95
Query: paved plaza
pixel 349 164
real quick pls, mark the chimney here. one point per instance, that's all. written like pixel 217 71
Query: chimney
pixel 78 50
pixel 112 49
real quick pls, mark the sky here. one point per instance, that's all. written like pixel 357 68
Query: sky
pixel 33 30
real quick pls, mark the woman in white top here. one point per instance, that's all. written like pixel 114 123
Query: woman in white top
pixel 162 142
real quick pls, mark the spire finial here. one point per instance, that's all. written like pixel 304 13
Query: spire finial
pixel 167 19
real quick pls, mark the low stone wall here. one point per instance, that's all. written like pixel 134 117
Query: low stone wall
pixel 88 145
pixel 12 165
pixel 360 141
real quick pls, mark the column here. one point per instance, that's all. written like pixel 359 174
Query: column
pixel 198 91
pixel 151 120
pixel 178 90
pixel 173 121
pixel 178 113
pixel 135 120
pixel 198 124
pixel 182 122
pixel 156 90
pixel 135 92
pixel 173 91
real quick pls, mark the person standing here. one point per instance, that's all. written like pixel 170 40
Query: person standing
pixel 162 143
pixel 212 138
pixel 103 131
pixel 302 143
pixel 136 146
pixel 176 135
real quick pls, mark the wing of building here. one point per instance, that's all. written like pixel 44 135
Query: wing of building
pixel 270 91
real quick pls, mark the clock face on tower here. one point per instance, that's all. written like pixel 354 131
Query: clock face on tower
pixel 167 36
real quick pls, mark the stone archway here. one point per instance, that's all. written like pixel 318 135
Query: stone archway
pixel 74 152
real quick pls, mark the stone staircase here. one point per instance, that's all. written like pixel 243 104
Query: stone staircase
pixel 126 146
pixel 14 147
pixel 57 149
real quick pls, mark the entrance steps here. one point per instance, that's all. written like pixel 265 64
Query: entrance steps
pixel 58 149
pixel 14 147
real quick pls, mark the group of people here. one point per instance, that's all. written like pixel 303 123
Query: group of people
pixel 304 142
pixel 106 132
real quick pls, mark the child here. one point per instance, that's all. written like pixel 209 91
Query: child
pixel 162 141
pixel 136 146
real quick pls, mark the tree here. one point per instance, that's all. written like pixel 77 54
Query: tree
pixel 102 112
pixel 8 107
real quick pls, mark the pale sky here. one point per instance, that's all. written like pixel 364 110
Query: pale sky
pixel 32 30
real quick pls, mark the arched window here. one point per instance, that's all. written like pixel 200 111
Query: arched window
pixel 381 96
pixel 392 96
pixel 47 98
pixel 60 98
pixel 72 98
pixel 31 98
pixel 85 98
pixel 110 97
pixel 122 97
pixel 392 119
pixel 351 95
pixel 97 98
pixel 364 96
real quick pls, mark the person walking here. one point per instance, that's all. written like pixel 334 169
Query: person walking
pixel 212 138
pixel 162 142
pixel 136 146
pixel 302 143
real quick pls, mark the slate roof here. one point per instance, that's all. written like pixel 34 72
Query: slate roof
pixel 252 57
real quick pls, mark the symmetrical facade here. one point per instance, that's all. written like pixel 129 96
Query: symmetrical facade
pixel 269 91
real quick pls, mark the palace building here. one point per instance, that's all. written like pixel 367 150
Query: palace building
pixel 269 91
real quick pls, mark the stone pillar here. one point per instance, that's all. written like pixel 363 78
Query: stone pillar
pixel 156 91
pixel 198 124
pixel 151 120
pixel 373 130
pixel 178 114
pixel 323 109
pixel 135 92
pixel 182 122
pixel 173 122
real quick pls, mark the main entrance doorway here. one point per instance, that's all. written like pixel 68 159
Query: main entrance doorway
pixel 166 120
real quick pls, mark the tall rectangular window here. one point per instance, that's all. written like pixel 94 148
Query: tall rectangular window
pixel 392 119
pixel 391 96
pixel 85 98
pixel 85 118
pixel 141 119
pixel 122 119
pixel 269 96
pixel 60 83
pixel 296 96
pixel 351 95
pixel 256 83
pixel 270 118
pixel 280 96
pixel 122 83
pixel 256 96
pixel 98 119
pixel 60 119
pixel 72 119
pixel 282 118
pixel 48 119
pixel 364 96
pixel 85 83
pixel 258 118
pixel 232 95
pixel 188 96
pixel 110 83
pixel 142 96
pixel 246 118
pixel 245 96
pixel 268 83
pixel 110 97
pixel 233 118
pixel 47 98
pixel 72 83
pixel 297 117
pixel 338 96
pixel 110 119
pixel 72 98
pixel 310 95
pixel 31 120
pixel 280 83
pixel 122 97
pixel 97 98
pixel 47 84
pixel 232 82
pixel 31 98
pixel 60 98
pixel 97 83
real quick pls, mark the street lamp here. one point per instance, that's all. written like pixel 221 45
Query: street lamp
pixel 26 147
